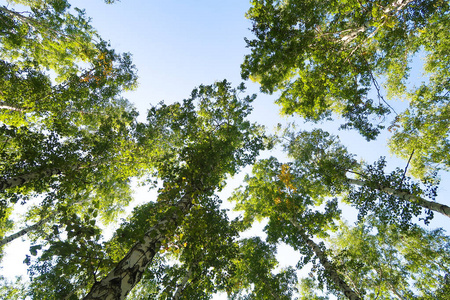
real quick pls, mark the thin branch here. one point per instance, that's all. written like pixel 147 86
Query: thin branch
pixel 406 168
pixel 3 105
pixel 34 24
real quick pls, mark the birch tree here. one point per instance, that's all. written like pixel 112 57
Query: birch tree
pixel 195 262
pixel 350 58
pixel 205 146
pixel 392 197
pixel 388 262
pixel 210 258
pixel 195 145
pixel 275 191
pixel 65 128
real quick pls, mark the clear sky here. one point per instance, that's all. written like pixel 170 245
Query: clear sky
pixel 178 45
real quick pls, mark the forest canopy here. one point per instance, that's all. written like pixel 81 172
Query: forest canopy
pixel 74 150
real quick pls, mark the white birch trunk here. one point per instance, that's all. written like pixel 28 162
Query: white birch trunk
pixel 9 107
pixel 334 276
pixel 437 207
pixel 391 9
pixel 24 231
pixel 182 285
pixel 22 179
pixel 128 272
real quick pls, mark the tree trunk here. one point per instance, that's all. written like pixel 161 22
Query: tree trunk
pixel 437 207
pixel 24 231
pixel 22 179
pixel 5 106
pixel 30 228
pixel 182 285
pixel 345 288
pixel 395 292
pixel 128 272
pixel 33 23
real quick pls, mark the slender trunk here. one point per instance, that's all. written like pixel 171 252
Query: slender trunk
pixel 25 178
pixel 24 231
pixel 396 7
pixel 35 226
pixel 3 105
pixel 22 179
pixel 345 288
pixel 394 291
pixel 437 207
pixel 275 296
pixel 34 24
pixel 15 14
pixel 182 285
pixel 128 272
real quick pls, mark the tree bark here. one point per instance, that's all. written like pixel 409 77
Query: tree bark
pixel 24 231
pixel 128 272
pixel 334 276
pixel 437 207
pixel 15 14
pixel 22 179
pixel 395 292
pixel 182 285
pixel 3 105
pixel 30 228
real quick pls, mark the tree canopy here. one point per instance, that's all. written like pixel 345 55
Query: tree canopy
pixel 352 58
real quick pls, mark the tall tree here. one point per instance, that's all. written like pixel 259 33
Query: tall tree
pixel 382 261
pixel 275 191
pixel 327 56
pixel 65 128
pixel 85 103
pixel 210 258
pixel 200 148
pixel 393 197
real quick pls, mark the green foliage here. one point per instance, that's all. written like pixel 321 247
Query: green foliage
pixel 320 156
pixel 284 194
pixel 307 288
pixel 327 56
pixel 327 164
pixel 203 145
pixel 423 126
pixel 71 259
pixel 12 290
pixel 48 36
pixel 291 197
pixel 387 207
pixel 383 260
pixel 253 277
pixel 70 143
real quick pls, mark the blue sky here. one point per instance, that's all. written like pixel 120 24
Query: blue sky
pixel 178 45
